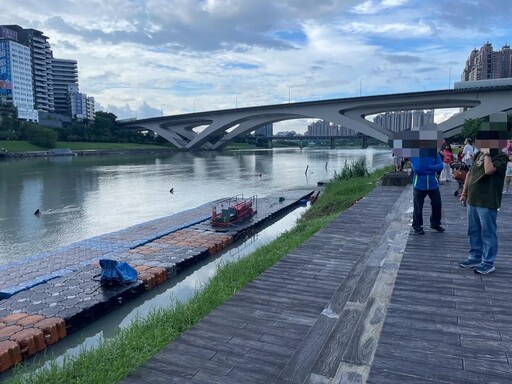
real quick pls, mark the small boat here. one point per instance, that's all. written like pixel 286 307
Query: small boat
pixel 234 210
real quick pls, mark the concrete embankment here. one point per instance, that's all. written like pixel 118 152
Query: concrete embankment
pixel 47 296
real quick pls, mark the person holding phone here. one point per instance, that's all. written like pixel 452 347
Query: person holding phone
pixel 482 191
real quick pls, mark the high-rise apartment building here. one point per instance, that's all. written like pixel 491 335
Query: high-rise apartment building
pixel 404 120
pixel 266 130
pixel 90 108
pixel 325 128
pixel 486 63
pixel 65 73
pixel 81 106
pixel 16 83
pixel 42 75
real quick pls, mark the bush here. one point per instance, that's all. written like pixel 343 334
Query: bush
pixel 8 135
pixel 355 169
pixel 43 137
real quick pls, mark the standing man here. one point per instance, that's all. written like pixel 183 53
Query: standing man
pixel 483 191
pixel 420 145
pixel 425 167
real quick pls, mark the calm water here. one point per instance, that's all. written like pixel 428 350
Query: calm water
pixel 82 197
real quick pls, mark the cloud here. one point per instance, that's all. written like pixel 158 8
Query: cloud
pixel 373 6
pixel 142 56
pixel 402 59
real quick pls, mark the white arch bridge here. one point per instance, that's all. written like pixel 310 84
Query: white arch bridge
pixel 223 126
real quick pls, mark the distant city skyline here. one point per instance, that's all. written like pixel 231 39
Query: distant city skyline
pixel 141 59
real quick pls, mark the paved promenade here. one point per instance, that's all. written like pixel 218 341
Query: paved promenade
pixel 362 301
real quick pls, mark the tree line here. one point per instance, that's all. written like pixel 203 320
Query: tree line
pixel 102 130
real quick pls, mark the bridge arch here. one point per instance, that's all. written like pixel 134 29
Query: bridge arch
pixel 349 112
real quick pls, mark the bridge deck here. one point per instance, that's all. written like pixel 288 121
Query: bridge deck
pixel 361 301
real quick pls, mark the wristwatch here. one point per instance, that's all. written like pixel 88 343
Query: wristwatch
pixel 487 154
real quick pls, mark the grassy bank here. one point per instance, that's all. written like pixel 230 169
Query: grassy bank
pixel 116 357
pixel 25 146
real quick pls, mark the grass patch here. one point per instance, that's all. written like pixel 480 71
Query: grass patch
pixel 25 146
pixel 134 345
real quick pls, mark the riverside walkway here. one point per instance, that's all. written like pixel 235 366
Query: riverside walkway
pixel 364 300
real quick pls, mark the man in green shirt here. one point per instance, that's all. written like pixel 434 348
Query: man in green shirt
pixel 482 191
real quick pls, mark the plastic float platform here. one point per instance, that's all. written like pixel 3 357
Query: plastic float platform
pixel 45 297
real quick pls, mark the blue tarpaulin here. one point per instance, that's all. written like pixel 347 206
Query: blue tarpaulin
pixel 115 272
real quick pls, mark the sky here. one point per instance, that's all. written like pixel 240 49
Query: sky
pixel 145 58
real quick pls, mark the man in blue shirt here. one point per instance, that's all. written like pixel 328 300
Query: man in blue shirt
pixel 425 183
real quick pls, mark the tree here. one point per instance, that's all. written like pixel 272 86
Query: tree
pixel 471 128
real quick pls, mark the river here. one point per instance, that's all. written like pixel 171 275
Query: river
pixel 82 197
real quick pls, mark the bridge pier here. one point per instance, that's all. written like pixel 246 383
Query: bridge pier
pixel 301 145
pixel 365 141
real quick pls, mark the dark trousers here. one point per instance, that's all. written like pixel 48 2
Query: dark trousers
pixel 435 203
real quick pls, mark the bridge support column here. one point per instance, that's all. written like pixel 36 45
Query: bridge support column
pixel 365 141
pixel 269 144
pixel 332 143
pixel 301 145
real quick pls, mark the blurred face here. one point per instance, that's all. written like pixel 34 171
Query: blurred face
pixel 491 144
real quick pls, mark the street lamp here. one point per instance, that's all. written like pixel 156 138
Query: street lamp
pixel 236 99
pixel 194 105
pixel 361 86
pixel 290 94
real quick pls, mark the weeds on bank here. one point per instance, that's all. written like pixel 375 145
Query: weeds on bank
pixel 355 169
pixel 134 345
